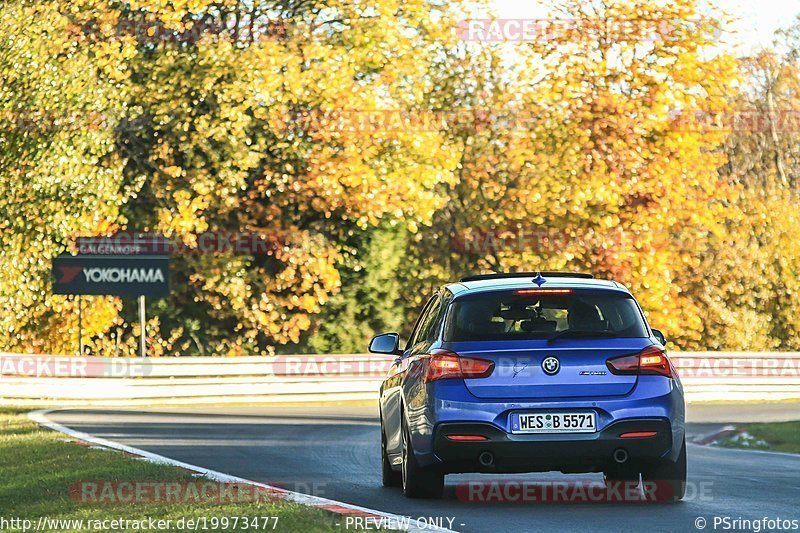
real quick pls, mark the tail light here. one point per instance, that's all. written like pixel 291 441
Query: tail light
pixel 444 364
pixel 650 361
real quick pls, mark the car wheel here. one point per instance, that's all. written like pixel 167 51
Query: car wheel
pixel 418 482
pixel 666 482
pixel 389 477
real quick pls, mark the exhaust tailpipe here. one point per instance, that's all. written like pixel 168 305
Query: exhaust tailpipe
pixel 620 455
pixel 486 459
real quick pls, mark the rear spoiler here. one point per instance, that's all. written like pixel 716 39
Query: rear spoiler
pixel 545 274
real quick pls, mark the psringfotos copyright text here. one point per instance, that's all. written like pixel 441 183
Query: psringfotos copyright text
pixel 756 525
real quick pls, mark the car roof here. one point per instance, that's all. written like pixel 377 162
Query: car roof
pixel 511 283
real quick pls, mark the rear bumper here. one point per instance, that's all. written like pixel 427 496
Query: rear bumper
pixel 449 405
pixel 586 452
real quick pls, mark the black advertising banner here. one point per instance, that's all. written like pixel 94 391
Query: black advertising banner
pixel 115 275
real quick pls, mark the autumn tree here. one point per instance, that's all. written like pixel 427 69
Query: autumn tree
pixel 226 128
pixel 379 156
pixel 749 284
pixel 596 165
pixel 59 169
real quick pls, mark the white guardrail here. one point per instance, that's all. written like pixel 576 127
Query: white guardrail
pixel 44 379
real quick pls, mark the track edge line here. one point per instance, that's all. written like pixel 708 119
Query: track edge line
pixel 332 506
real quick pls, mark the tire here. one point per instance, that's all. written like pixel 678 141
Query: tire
pixel 418 482
pixel 666 482
pixel 389 477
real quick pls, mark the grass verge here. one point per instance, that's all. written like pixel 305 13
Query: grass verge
pixel 41 467
pixel 772 436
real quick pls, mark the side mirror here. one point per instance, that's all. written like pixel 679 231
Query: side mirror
pixel 388 343
pixel 660 337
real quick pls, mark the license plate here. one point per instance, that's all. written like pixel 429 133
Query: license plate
pixel 572 422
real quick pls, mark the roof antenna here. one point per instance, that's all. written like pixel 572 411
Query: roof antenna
pixel 539 279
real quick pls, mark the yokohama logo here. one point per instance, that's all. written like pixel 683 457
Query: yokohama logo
pixel 124 275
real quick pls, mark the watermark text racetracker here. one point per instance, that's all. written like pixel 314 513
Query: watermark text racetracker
pixel 216 242
pixel 494 30
pixel 576 492
pixel 109 367
pixel 194 492
pixel 289 365
pixel 142 523
pixel 74 367
pixel 774 365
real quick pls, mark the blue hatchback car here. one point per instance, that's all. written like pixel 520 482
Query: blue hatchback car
pixel 531 372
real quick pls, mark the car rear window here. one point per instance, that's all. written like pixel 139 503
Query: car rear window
pixel 508 315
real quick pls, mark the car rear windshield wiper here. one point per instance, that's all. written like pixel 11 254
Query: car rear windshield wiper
pixel 581 333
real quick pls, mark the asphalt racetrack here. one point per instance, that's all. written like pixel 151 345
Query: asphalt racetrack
pixel 333 451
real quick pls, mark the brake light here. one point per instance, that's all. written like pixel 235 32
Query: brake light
pixel 444 364
pixel 543 291
pixel 650 361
